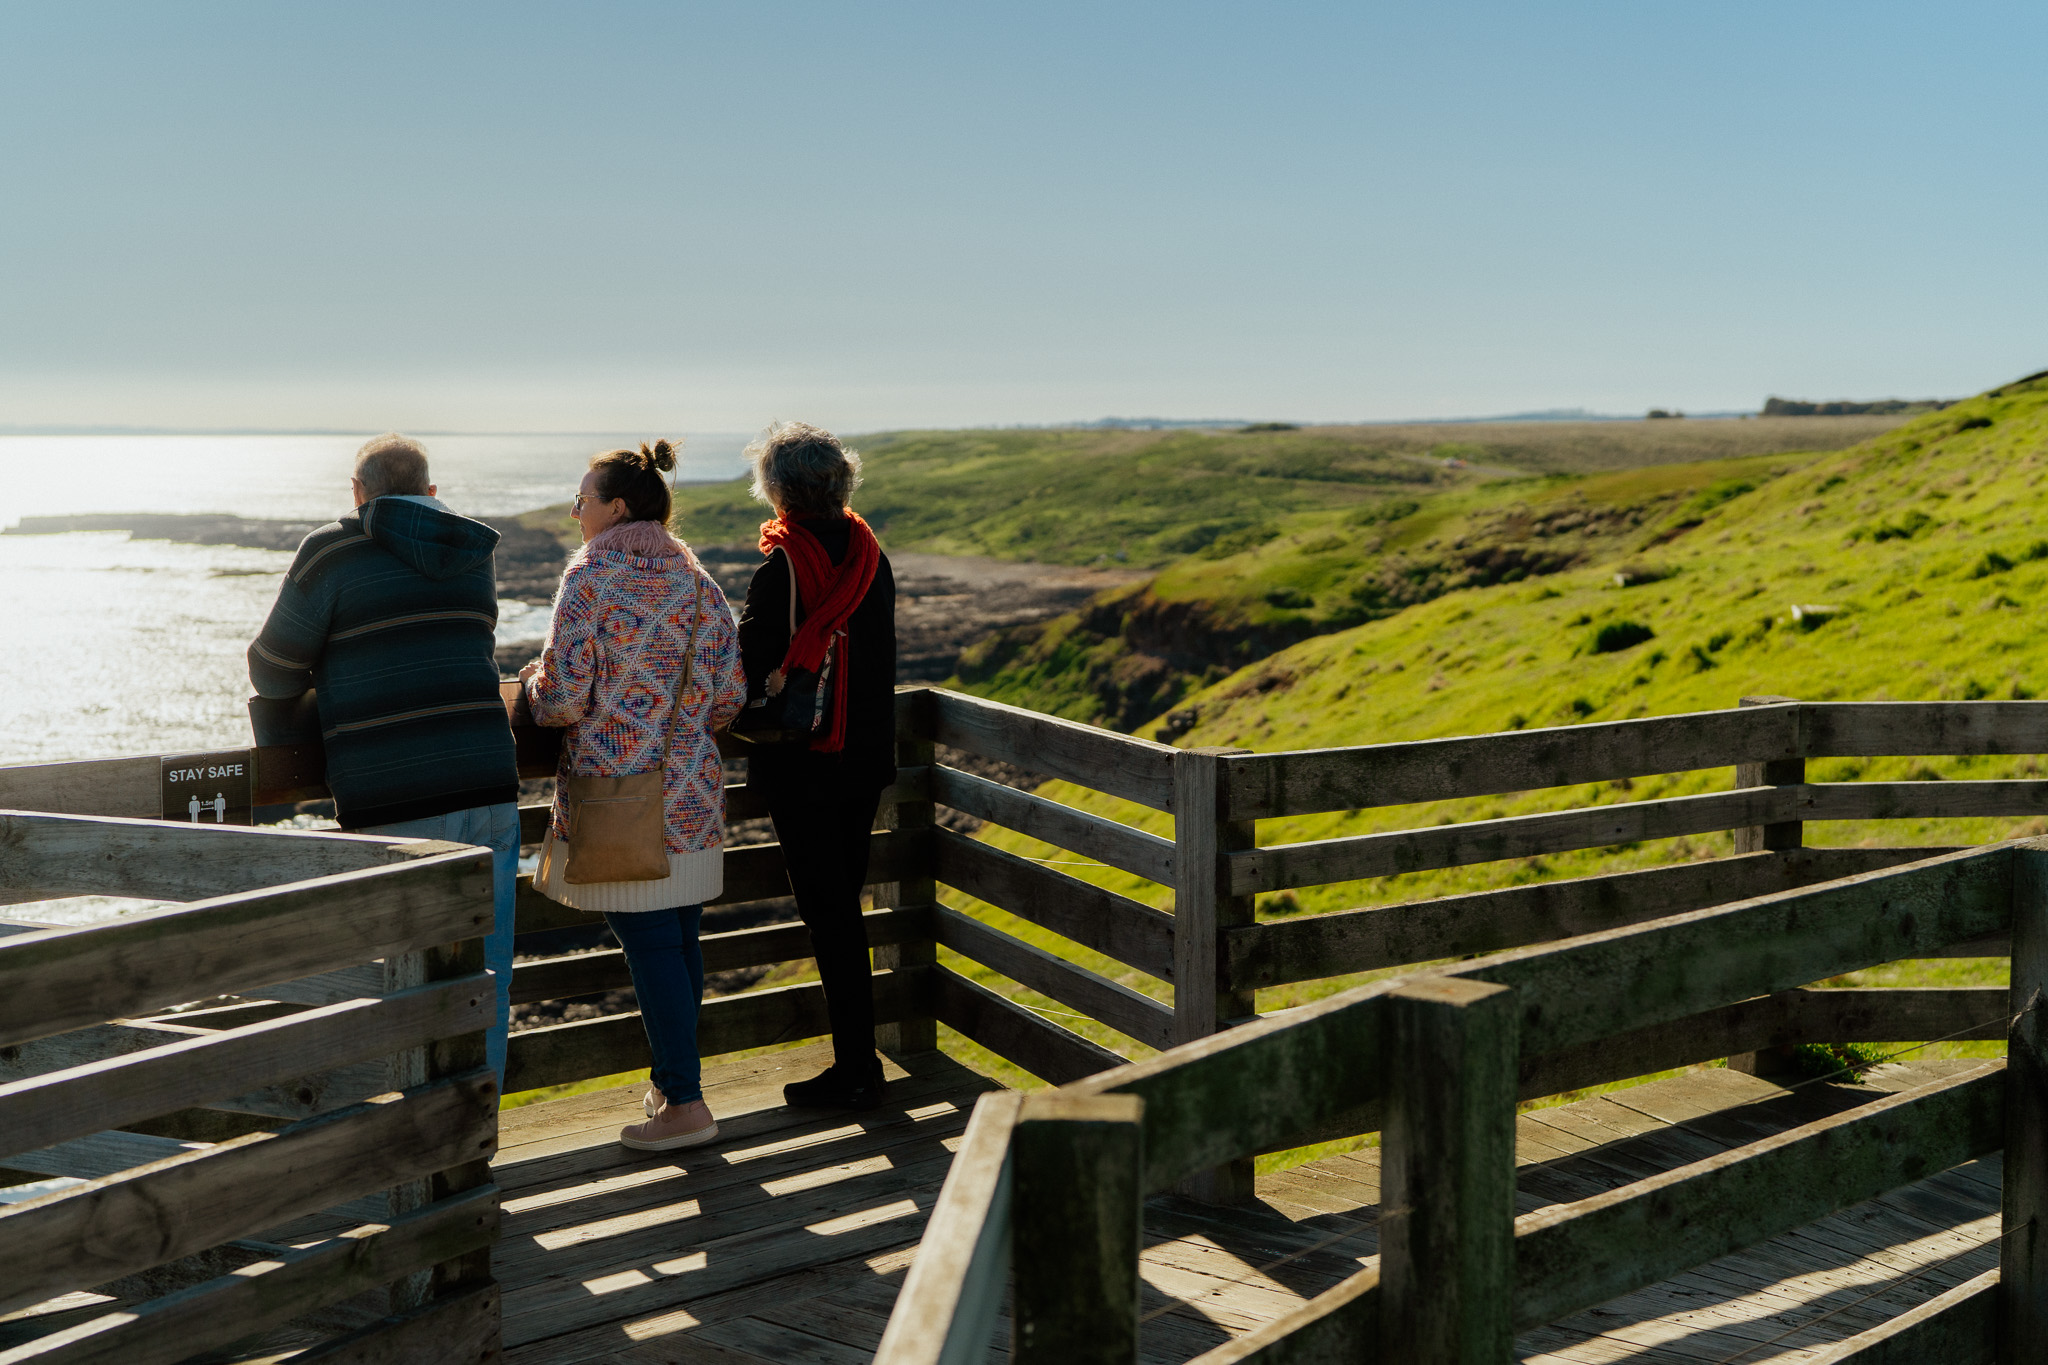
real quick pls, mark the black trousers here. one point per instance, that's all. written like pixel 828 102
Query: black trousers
pixel 824 840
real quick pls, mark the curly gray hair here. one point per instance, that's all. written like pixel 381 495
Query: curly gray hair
pixel 804 469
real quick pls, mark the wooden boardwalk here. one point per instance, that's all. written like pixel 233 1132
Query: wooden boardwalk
pixel 787 1241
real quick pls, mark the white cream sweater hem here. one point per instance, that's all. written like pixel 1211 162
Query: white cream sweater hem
pixel 693 878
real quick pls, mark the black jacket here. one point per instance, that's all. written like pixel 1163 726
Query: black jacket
pixel 868 762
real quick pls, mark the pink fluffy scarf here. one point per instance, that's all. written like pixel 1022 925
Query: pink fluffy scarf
pixel 640 539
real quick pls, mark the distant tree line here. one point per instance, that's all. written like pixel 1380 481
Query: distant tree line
pixel 1842 407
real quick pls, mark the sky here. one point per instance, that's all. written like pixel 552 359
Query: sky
pixel 609 216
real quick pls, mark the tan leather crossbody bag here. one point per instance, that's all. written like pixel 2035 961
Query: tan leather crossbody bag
pixel 618 826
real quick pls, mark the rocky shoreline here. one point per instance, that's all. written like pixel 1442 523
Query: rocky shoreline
pixel 944 604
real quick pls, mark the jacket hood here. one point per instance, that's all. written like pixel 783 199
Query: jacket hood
pixel 430 540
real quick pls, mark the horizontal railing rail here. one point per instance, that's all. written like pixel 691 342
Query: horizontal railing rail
pixel 1116 926
pixel 1139 770
pixel 1307 947
pixel 1310 781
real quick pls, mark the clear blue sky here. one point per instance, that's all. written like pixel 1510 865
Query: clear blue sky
pixel 613 216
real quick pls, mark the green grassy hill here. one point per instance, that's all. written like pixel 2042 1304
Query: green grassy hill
pixel 1135 653
pixel 1913 559
pixel 1077 497
pixel 1150 498
pixel 1909 567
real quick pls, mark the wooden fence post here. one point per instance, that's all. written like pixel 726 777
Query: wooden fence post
pixel 402 1071
pixel 1447 1240
pixel 470 1273
pixel 914 748
pixel 1077 1209
pixel 1768 839
pixel 1203 906
pixel 1780 772
pixel 2023 1254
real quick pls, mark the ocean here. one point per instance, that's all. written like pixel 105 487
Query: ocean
pixel 111 646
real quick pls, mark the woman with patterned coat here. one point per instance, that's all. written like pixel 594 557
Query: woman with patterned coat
pixel 612 672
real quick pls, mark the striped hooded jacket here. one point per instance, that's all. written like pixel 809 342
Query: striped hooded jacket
pixel 391 614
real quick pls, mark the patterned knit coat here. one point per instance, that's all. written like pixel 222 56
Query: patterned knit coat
pixel 610 665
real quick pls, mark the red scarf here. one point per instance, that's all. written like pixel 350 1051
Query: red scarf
pixel 832 594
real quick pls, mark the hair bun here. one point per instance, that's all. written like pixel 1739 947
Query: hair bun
pixel 660 458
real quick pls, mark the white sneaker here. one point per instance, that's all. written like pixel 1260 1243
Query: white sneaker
pixel 651 1102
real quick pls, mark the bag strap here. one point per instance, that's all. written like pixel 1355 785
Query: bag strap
pixel 675 707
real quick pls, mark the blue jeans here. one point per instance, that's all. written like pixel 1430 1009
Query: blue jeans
pixel 497 829
pixel 667 964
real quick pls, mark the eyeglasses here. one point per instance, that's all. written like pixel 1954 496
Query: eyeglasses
pixel 576 503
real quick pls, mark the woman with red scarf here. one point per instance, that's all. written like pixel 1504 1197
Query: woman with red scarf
pixel 823 797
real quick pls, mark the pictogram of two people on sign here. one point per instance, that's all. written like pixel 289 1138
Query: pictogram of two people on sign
pixel 219 807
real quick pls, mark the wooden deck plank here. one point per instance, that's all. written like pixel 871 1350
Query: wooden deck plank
pixel 718 1179
pixel 662 1264
pixel 788 1239
pixel 1848 1267
pixel 788 1345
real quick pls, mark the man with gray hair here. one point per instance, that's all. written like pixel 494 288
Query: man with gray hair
pixel 389 615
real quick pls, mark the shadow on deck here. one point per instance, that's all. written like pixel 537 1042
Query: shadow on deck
pixel 788 1241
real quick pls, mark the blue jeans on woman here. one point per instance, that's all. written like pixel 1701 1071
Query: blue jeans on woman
pixel 668 977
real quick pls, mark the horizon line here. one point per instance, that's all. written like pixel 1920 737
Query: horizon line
pixel 1099 423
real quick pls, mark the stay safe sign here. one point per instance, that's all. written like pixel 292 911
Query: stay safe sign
pixel 208 789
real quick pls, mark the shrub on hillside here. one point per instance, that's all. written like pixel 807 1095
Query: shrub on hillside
pixel 1723 490
pixel 1223 547
pixel 1615 636
pixel 1384 511
pixel 1905 528
pixel 1992 562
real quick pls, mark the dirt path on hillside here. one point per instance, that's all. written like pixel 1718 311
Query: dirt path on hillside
pixel 944 603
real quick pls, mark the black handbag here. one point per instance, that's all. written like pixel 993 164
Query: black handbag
pixel 788 712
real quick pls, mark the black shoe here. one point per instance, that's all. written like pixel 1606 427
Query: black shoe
pixel 836 1088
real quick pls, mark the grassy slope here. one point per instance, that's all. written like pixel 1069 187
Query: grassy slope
pixel 1926 615
pixel 1336 568
pixel 1071 496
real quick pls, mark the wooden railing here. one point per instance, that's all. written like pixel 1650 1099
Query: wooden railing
pixel 1051 1185
pixel 238 1169
pixel 1195 929
pixel 1210 947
